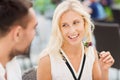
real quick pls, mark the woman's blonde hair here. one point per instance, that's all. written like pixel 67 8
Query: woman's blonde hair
pixel 56 38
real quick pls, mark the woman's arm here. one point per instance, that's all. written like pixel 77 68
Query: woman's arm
pixel 97 73
pixel 44 69
pixel 106 61
pixel 102 65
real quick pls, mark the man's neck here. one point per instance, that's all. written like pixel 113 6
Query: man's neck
pixel 4 55
pixel 4 60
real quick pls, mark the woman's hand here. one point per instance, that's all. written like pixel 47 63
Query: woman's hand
pixel 106 60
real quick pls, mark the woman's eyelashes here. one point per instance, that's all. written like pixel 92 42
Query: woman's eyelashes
pixel 65 25
pixel 76 22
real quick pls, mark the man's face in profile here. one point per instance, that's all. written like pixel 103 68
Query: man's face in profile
pixel 23 46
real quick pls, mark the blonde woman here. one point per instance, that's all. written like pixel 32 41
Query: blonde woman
pixel 70 54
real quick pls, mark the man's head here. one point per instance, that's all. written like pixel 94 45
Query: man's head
pixel 17 25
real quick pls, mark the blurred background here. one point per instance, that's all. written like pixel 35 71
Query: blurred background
pixel 106 17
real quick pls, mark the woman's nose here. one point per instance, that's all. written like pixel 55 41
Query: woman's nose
pixel 72 29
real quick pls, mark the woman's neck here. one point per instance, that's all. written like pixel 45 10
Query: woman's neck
pixel 72 50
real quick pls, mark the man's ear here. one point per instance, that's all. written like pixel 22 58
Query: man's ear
pixel 17 33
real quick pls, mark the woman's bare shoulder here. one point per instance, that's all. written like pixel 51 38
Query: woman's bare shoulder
pixel 44 68
pixel 44 61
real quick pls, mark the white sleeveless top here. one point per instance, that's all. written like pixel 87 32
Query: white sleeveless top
pixel 60 71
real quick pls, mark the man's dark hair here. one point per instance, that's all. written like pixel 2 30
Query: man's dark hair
pixel 12 12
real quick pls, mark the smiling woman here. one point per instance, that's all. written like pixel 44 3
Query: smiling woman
pixel 72 27
pixel 66 57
